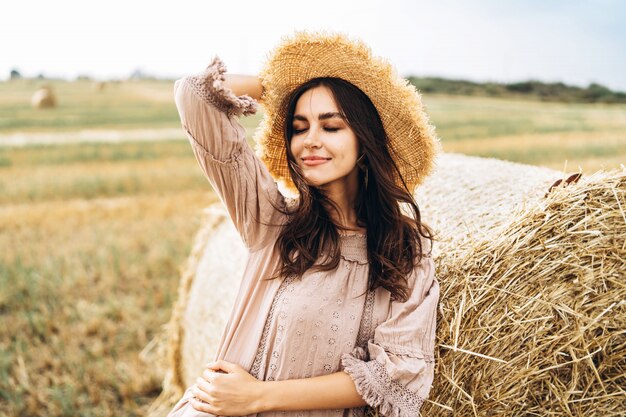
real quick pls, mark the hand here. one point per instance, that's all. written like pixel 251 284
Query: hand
pixel 225 388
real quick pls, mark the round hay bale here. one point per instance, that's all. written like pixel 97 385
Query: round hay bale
pixel 468 197
pixel 523 282
pixel 222 259
pixel 44 98
pixel 533 319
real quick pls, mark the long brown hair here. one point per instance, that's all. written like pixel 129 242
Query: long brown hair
pixel 394 245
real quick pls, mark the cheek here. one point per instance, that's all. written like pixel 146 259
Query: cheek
pixel 295 146
pixel 347 146
pixel 351 149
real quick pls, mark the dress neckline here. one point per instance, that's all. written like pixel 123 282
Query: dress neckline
pixel 354 247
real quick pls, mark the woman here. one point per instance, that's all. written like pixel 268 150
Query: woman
pixel 336 311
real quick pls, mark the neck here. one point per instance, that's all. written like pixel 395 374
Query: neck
pixel 343 194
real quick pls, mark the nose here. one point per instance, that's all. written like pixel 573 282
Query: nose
pixel 311 140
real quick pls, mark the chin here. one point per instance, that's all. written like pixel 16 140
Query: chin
pixel 315 181
pixel 317 184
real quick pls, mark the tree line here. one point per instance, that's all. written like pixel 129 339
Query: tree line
pixel 558 91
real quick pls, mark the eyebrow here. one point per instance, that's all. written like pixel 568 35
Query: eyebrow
pixel 322 116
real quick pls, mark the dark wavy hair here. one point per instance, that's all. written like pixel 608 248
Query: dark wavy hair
pixel 394 246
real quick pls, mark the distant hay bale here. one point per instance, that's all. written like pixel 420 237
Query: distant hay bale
pixel 532 316
pixel 44 98
pixel 99 86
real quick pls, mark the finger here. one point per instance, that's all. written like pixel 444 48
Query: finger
pixel 200 394
pixel 209 376
pixel 200 406
pixel 224 365
pixel 215 365
pixel 204 386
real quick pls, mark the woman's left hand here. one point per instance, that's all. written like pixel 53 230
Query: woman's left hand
pixel 226 389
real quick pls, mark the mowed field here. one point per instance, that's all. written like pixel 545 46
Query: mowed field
pixel 93 235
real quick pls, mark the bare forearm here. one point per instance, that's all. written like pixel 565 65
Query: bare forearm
pixel 336 390
pixel 244 85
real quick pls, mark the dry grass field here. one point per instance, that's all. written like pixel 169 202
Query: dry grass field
pixel 92 235
pixel 555 135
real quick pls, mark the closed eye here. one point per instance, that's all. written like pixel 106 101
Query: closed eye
pixel 327 129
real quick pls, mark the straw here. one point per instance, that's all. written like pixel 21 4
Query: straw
pixel 546 294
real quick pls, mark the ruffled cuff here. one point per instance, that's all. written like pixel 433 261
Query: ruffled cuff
pixel 376 387
pixel 209 85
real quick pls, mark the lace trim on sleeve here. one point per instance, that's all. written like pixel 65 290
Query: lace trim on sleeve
pixel 209 85
pixel 377 388
pixel 365 328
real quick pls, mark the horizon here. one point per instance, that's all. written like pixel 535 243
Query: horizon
pixel 150 77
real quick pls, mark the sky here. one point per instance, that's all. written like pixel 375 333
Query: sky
pixel 573 41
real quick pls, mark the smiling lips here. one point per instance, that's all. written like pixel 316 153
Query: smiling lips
pixel 314 160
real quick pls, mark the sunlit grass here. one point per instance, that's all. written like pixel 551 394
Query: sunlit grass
pixel 471 118
pixel 99 179
pixel 555 135
pixel 589 151
pixel 120 105
pixel 84 286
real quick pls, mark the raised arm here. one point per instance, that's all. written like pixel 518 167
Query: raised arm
pixel 244 85
pixel 208 109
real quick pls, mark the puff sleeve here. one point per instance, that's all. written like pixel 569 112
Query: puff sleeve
pixel 207 111
pixel 396 371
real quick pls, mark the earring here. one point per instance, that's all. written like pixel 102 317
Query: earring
pixel 359 163
pixel 364 167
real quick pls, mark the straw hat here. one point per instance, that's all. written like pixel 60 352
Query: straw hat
pixel 412 140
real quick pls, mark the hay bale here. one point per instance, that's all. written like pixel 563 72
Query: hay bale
pixel 99 86
pixel 533 319
pixel 468 197
pixel 524 282
pixel 43 98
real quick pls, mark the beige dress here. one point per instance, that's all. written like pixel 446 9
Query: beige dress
pixel 323 322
